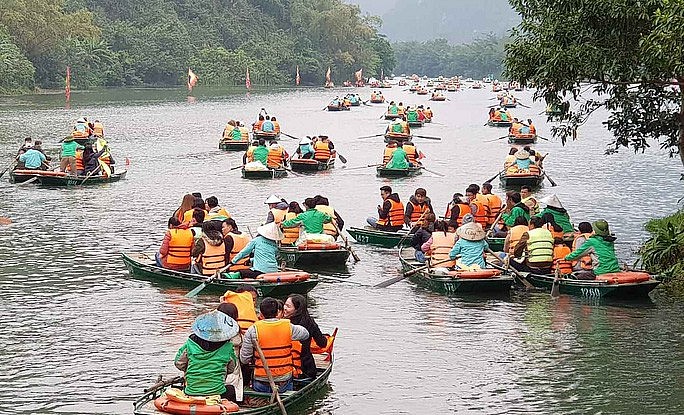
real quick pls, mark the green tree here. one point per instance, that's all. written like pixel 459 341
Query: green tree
pixel 16 71
pixel 631 54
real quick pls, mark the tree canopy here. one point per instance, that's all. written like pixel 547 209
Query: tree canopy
pixel 630 54
pixel 153 42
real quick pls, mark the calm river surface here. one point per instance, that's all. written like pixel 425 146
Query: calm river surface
pixel 78 335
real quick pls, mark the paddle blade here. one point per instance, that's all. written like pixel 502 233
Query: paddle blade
pixel 196 290
pixel 342 158
pixel 390 281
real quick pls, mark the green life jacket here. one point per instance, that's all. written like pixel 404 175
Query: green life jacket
pixel 206 371
pixel 396 128
pixel 261 154
pixel 412 116
pixel 398 160
pixel 237 135
pixel 394 109
pixel 539 246
pixel 504 116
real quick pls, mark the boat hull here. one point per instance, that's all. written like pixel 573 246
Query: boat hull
pixel 397 137
pixel 519 180
pixel 336 108
pixel 310 165
pixel 499 124
pixel 392 116
pixel 522 139
pixel 596 289
pixel 416 123
pixel 317 258
pixel 410 172
pixel 264 174
pixel 257 135
pixel 143 268
pixel 234 145
pixel 379 238
pixel 47 178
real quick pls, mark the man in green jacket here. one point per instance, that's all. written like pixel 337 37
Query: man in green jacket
pixel 261 152
pixel 311 219
pixel 600 244
pixel 399 159
pixel 69 147
pixel 516 209
pixel 208 355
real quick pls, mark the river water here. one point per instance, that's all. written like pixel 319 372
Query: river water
pixel 78 335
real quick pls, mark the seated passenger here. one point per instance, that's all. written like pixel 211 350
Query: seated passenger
pixel 391 213
pixel 471 245
pixel 601 244
pixel 209 251
pixel 295 310
pixel 176 247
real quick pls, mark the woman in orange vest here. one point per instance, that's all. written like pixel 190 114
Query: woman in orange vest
pixel 209 251
pixel 585 263
pixel 176 248
pixel 186 204
pixel 411 152
pixel 322 150
pixel 550 224
pixel 440 244
pixel 234 241
pixel 244 299
pixel 277 156
pixel 296 311
pixel 514 234
pixel 560 251
pixel 275 337
pixel 390 148
pixel 291 235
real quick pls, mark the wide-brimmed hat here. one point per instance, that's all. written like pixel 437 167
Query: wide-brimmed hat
pixel 215 326
pixel 272 199
pixel 522 155
pixel 471 232
pixel 270 231
pixel 601 228
pixel 552 200
pixel 81 120
pixel 68 139
pixel 275 146
pixel 304 141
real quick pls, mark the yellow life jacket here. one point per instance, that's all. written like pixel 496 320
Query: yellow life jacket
pixel 328 227
pixel 441 246
pixel 539 246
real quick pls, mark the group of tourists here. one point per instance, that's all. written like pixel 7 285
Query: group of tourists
pixel 518 128
pixel 523 160
pixel 31 156
pixel 260 157
pixel 500 115
pixel 203 238
pixel 265 124
pixel 224 353
pixel 319 148
pixel 536 241
pixel 401 155
pixel 236 131
pixel 376 96
pixel 346 102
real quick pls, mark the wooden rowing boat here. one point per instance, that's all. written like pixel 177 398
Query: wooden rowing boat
pixel 377 100
pixel 264 174
pixel 510 105
pixel 410 172
pixel 143 267
pixel 596 288
pixel 496 244
pixel 372 236
pixel 492 123
pixel 389 116
pixel 294 257
pixel 438 98
pixel 60 179
pixel 522 138
pixel 272 135
pixel 399 137
pixel 416 123
pixel 516 180
pixel 234 145
pixel 256 403
pixel 338 108
pixel 311 165
pixel 487 281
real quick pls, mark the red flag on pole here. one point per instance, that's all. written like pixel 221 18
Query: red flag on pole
pixel 192 79
pixel 327 76
pixel 67 81
pixel 297 78
pixel 248 82
pixel 359 74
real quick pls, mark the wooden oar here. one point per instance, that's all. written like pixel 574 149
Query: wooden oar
pixel 517 275
pixel 274 389
pixel 8 167
pixel 370 136
pixel 428 137
pixel 432 171
pixel 522 105
pixel 346 242
pixel 500 138
pixel 236 167
pixel 204 283
pixel 365 167
pixel 543 138
pixel 291 136
pixel 394 280
pixel 553 184
pixel 31 180
pixel 555 287
pixel 342 158
pixel 501 212
pixel 99 166
pixel 497 175
pixel 327 277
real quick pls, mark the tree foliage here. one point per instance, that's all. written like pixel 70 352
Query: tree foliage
pixel 153 42
pixel 630 53
pixel 483 57
pixel 16 72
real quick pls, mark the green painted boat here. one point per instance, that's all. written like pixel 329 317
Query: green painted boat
pixel 391 117
pixel 143 267
pixel 416 123
pixel 264 174
pixel 496 244
pixel 499 123
pixel 370 236
pixel 410 172
pixel 265 135
pixel 594 288
pixel 511 105
pixel 311 165
pixel 398 137
pixel 338 108
pixel 234 145
pixel 294 257
pixel 257 403
pixel 522 139
pixel 451 284
pixel 518 180
pixel 55 179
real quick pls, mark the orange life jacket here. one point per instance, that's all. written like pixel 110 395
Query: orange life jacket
pixel 494 204
pixel 278 215
pixel 98 129
pixel 245 306
pixel 239 242
pixel 321 151
pixel 560 251
pixel 428 113
pixel 79 161
pixel 515 233
pixel 275 158
pixel 275 340
pixel 411 152
pixel 180 246
pixel 395 216
pixel 482 214
pixel 515 128
pixel 387 155
pixel 533 129
pixel 463 209
pixel 404 127
pixel 418 211
pixel 244 134
pixel 328 227
pixel 291 234
pixel 213 258
pixel 297 358
pixel 276 127
pixel 257 125
pixel 585 262
pixel 441 246
pixel 555 234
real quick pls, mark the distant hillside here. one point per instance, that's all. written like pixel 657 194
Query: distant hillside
pixel 457 21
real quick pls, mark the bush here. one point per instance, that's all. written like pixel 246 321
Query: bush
pixel 663 252
pixel 16 71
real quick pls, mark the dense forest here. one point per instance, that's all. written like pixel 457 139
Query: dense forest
pixel 153 42
pixel 483 57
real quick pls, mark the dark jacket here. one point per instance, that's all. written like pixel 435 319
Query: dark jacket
pixel 421 236
pixel 308 363
pixel 386 206
pixel 409 207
